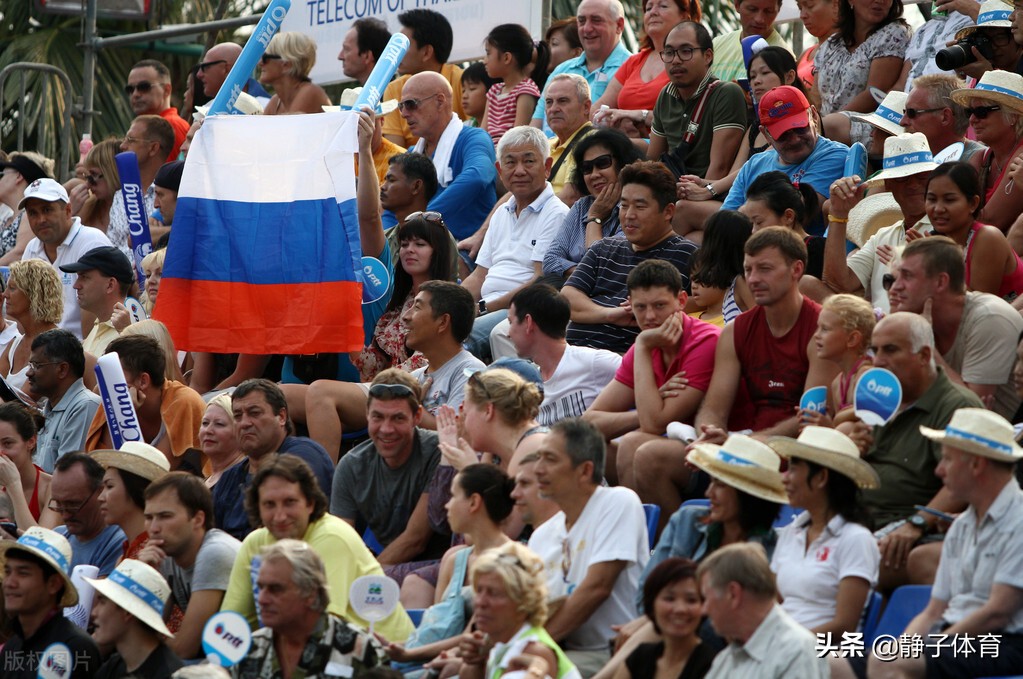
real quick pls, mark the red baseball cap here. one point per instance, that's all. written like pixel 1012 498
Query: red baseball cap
pixel 782 109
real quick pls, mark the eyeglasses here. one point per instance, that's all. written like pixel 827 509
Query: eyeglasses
pixel 93 178
pixel 210 64
pixel 684 53
pixel 35 365
pixel 982 112
pixel 477 381
pixel 70 510
pixel 428 215
pixel 887 281
pixel 391 391
pixel 600 163
pixel 142 87
pixel 412 104
pixel 269 57
pixel 914 112
pixel 135 140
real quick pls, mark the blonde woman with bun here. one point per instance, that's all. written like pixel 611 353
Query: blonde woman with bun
pixel 285 67
pixel 498 414
pixel 218 437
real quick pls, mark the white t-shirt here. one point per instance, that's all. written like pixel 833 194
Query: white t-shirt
pixel 612 527
pixel 808 578
pixel 80 239
pixel 582 373
pixel 513 243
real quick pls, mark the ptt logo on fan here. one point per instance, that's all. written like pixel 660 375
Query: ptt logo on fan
pixel 227 636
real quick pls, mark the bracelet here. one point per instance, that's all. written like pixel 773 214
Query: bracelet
pixel 833 218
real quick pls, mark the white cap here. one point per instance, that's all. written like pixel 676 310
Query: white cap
pixel 46 189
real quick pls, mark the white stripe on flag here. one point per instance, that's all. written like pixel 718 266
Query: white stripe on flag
pixel 273 159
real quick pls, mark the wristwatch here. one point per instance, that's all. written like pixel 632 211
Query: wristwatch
pixel 598 220
pixel 481 306
pixel 918 521
pixel 710 187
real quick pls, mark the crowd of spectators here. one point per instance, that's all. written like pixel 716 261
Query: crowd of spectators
pixel 578 435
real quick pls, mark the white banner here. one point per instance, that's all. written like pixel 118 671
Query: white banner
pixel 327 22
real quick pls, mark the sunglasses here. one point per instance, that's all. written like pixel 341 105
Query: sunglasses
pixel 269 57
pixel 412 104
pixel 599 163
pixel 93 178
pixel 914 112
pixel 887 281
pixel 142 87
pixel 210 64
pixel 981 112
pixel 391 391
pixel 428 215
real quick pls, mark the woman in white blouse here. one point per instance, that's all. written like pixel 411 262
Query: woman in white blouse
pixel 826 561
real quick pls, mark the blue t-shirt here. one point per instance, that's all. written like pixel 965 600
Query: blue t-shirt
pixel 598 79
pixel 103 551
pixel 822 167
pixel 229 513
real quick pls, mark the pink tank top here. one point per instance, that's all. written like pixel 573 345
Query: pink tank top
pixel 1012 283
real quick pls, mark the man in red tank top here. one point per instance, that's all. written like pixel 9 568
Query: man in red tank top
pixel 765 350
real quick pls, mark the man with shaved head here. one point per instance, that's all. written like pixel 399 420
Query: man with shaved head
pixel 217 63
pixel 463 156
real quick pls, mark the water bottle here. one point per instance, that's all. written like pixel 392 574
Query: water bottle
pixel 85 145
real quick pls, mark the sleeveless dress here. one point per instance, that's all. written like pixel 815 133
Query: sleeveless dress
pixel 1012 284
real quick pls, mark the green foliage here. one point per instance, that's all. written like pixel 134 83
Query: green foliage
pixel 27 36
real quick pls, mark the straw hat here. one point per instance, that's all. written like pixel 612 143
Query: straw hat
pixel 351 95
pixel 870 215
pixel 51 547
pixel 980 432
pixel 138 458
pixel 744 464
pixel 993 14
pixel 246 103
pixel 888 113
pixel 904 155
pixel 999 87
pixel 139 589
pixel 829 448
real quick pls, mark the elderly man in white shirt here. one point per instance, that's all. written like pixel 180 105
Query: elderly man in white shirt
pixel 520 232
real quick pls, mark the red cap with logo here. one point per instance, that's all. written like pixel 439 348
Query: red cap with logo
pixel 782 109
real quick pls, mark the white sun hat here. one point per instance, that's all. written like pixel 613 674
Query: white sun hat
pixel 870 215
pixel 744 464
pixel 351 95
pixel 51 547
pixel 993 14
pixel 829 448
pixel 888 113
pixel 136 457
pixel 904 155
pixel 980 432
pixel 999 87
pixel 139 589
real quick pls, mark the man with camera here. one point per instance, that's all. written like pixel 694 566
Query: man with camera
pixel 990 44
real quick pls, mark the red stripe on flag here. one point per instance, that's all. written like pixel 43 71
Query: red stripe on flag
pixel 301 318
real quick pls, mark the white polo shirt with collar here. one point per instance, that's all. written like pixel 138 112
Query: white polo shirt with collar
pixel 80 239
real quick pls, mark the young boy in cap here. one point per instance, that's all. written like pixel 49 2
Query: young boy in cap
pixel 35 587
pixel 128 614
pixel 168 179
pixel 104 279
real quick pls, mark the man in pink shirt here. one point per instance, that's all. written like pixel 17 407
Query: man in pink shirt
pixel 645 394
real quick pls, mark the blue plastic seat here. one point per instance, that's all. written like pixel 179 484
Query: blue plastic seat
pixel 872 614
pixel 905 604
pixel 653 515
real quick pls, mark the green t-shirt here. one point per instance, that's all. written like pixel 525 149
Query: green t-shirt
pixel 725 109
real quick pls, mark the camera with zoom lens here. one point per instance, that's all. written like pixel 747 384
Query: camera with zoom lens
pixel 961 54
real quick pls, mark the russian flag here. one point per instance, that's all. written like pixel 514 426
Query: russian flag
pixel 264 248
